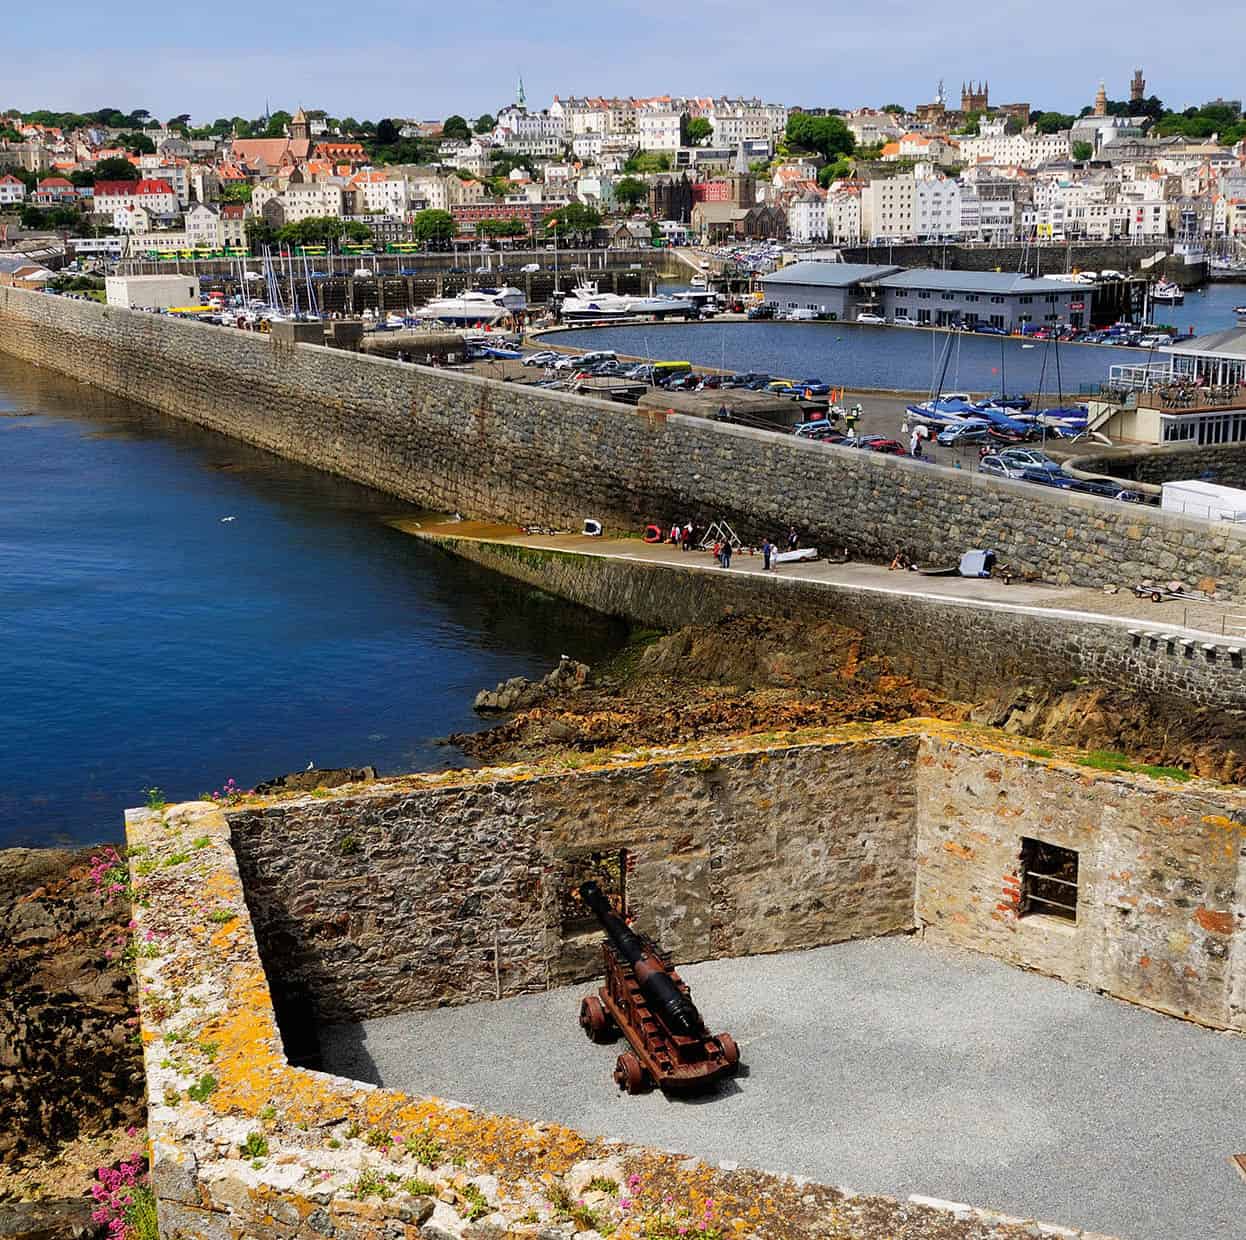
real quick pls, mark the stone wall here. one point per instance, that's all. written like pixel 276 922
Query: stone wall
pixel 245 1146
pixel 964 649
pixel 375 903
pixel 498 450
pixel 1223 463
pixel 1160 916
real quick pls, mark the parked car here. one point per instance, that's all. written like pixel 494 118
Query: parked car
pixel 529 268
pixel 815 387
pixel 1045 478
pixel 820 429
pixel 760 312
pixel 992 464
pixel 544 357
pixel 903 320
pixel 989 329
pixel 875 319
pixel 1108 488
pixel 1030 458
pixel 880 443
pixel 964 433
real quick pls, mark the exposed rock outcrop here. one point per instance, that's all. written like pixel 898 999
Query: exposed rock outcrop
pixel 306 781
pixel 70 1063
pixel 519 693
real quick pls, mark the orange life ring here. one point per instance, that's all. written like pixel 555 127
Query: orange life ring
pixel 652 534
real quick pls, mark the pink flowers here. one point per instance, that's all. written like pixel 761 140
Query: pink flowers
pixel 108 872
pixel 116 1193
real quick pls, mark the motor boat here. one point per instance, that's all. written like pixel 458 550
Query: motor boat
pixel 477 306
pixel 1168 292
pixel 585 303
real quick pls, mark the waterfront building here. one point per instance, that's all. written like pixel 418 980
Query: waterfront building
pixel 807 216
pixel 833 290
pixel 1000 299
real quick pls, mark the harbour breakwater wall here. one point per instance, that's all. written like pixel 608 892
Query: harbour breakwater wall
pixel 510 452
pixel 965 649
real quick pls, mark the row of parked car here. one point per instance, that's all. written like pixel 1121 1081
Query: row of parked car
pixel 1120 334
pixel 1019 464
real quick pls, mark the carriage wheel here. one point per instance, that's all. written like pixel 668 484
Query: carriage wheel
pixel 595 1020
pixel 1156 596
pixel 630 1074
pixel 731 1052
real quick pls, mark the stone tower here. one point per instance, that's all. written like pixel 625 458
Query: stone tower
pixel 975 96
pixel 300 127
pixel 1101 100
pixel 743 183
pixel 1137 88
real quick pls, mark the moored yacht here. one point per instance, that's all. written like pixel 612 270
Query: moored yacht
pixel 475 307
pixel 586 303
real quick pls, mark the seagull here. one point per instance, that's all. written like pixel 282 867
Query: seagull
pixel 311 766
pixel 224 519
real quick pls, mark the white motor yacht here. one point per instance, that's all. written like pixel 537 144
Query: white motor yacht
pixel 476 307
pixel 586 304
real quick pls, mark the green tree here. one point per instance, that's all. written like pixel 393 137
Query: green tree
pixel 115 169
pixel 572 222
pixel 260 233
pixel 82 177
pixel 645 162
pixel 386 132
pixel 456 127
pixel 9 135
pixel 1052 122
pixel 836 171
pixel 631 192
pixel 1082 151
pixel 138 143
pixel 349 125
pixel 433 226
pixel 697 131
pixel 180 122
pixel 278 123
pixel 484 123
pixel 242 127
pixel 236 191
pixel 827 136
pixel 972 125
pixel 896 109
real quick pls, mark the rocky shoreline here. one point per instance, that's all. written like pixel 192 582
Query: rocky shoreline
pixel 71 1073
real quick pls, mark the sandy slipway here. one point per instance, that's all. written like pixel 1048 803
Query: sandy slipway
pixel 243 1144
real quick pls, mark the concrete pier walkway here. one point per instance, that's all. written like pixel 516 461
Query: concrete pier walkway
pixel 1207 622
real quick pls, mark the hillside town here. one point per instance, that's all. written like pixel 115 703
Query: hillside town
pixel 663 170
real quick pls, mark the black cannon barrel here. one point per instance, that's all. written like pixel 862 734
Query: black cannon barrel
pixel 671 1006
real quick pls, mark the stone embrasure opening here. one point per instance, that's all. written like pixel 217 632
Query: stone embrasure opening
pixel 1048 880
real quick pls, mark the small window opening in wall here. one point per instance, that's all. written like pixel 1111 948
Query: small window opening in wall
pixel 606 867
pixel 1048 880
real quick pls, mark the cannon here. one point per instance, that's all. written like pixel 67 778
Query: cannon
pixel 646 1001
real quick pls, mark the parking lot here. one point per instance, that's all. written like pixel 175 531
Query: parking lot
pixel 884 1066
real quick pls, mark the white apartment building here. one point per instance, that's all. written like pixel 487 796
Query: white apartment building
pixel 517 124
pixel 807 217
pixel 381 192
pixel 1029 149
pixel 887 207
pixel 658 130
pixel 843 215
pixel 986 219
pixel 587 147
pixel 307 200
pixel 872 128
pixel 936 207
pixel 203 226
pixel 738 120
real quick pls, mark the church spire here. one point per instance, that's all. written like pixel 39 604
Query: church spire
pixel 520 98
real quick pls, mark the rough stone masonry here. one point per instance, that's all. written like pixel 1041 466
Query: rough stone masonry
pixel 504 451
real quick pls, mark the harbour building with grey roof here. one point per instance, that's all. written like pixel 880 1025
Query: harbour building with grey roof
pixel 927 296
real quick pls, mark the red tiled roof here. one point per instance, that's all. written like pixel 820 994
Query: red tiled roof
pixel 108 189
pixel 153 187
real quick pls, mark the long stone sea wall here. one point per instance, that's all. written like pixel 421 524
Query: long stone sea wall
pixel 503 451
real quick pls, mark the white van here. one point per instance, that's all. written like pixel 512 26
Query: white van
pixel 586 359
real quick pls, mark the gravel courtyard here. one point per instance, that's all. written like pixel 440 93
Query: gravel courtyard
pixel 883 1066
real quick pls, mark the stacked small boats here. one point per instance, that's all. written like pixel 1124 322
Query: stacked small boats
pixel 1008 417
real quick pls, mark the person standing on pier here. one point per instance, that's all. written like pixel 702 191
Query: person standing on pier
pixel 767 550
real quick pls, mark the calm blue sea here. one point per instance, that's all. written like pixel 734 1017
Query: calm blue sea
pixel 904 358
pixel 147 642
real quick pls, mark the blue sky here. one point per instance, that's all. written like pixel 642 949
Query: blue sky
pixel 427 60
